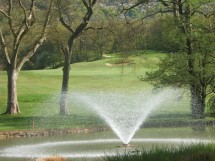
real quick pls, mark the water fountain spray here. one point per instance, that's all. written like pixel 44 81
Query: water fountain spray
pixel 124 112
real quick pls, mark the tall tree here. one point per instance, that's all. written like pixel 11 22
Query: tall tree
pixel 75 28
pixel 192 65
pixel 12 36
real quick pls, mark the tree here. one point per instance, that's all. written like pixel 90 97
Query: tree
pixel 13 42
pixel 75 28
pixel 192 65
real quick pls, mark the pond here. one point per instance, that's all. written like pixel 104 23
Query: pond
pixel 95 145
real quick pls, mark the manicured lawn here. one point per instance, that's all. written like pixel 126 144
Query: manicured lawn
pixel 38 88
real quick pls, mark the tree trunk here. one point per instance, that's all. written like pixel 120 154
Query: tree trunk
pixel 12 102
pixel 68 52
pixel 198 91
pixel 197 101
pixel 65 82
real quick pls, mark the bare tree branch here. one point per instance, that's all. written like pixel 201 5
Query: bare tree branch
pixel 31 17
pixel 93 3
pixel 23 29
pixel 5 14
pixel 10 7
pixel 206 15
pixel 150 15
pixel 155 13
pixel 39 41
pixel 93 28
pixel 27 22
pixel 85 3
pixel 8 16
pixel 63 22
pixel 10 21
pixel 3 44
pixel 84 23
pixel 135 5
pixel 24 12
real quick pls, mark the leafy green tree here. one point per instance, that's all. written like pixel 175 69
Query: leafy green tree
pixel 193 65
pixel 20 22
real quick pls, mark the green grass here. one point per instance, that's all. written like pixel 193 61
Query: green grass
pixel 37 88
pixel 184 153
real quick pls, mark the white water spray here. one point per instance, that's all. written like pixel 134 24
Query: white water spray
pixel 123 112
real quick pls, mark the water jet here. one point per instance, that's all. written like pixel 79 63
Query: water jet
pixel 123 111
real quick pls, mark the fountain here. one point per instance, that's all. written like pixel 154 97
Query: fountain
pixel 123 111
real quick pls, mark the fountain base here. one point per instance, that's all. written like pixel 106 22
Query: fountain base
pixel 126 145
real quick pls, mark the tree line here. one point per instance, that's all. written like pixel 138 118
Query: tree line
pixel 82 30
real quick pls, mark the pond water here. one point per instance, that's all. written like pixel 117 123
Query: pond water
pixel 94 145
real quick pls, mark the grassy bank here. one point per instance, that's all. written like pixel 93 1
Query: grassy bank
pixel 183 153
